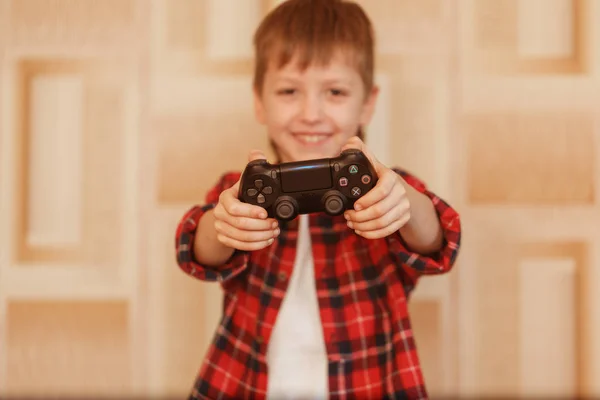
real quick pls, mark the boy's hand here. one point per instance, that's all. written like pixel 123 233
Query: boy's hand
pixel 240 225
pixel 385 208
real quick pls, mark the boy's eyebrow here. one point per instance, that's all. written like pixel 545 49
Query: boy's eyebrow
pixel 328 81
pixel 286 78
pixel 338 81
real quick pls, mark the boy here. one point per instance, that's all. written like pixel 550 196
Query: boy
pixel 316 307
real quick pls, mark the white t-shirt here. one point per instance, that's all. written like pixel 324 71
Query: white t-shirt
pixel 296 353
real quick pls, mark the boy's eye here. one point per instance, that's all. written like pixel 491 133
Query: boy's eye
pixel 286 92
pixel 338 92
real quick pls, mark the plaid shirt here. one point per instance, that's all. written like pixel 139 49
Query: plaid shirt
pixel 362 287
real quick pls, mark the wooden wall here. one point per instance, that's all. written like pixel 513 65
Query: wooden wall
pixel 117 115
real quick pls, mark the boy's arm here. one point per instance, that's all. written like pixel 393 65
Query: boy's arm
pixel 437 232
pixel 208 250
pixel 423 233
pixel 430 241
pixel 199 253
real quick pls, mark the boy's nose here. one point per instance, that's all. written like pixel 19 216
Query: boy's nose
pixel 311 110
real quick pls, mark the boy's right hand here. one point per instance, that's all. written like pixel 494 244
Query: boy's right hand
pixel 240 225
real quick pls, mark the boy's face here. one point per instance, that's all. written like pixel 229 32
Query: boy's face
pixel 312 113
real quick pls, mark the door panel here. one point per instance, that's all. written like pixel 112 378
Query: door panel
pixel 117 116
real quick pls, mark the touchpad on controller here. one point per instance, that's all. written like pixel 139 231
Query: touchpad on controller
pixel 305 178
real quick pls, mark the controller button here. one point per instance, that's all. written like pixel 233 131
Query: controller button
pixel 336 167
pixel 274 174
pixel 334 205
pixel 285 209
pixel 268 190
pixel 366 179
pixel 252 192
pixel 343 182
pixel 260 199
pixel 356 191
pixel 353 169
pixel 258 183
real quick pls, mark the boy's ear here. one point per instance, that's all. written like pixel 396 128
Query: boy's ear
pixel 259 108
pixel 369 106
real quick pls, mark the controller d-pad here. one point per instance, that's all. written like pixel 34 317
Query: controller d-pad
pixel 356 191
pixel 259 191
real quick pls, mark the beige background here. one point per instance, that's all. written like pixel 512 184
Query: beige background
pixel 117 115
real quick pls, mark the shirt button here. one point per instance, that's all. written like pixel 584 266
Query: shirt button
pixel 282 276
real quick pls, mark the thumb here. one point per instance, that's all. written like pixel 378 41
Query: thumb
pixel 356 143
pixel 235 188
pixel 256 155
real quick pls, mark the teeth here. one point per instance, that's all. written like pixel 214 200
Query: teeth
pixel 312 138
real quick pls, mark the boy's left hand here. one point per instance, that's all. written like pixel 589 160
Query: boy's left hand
pixel 386 207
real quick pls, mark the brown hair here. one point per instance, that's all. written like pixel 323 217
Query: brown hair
pixel 313 31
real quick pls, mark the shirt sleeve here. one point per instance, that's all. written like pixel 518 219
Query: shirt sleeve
pixel 186 234
pixel 442 261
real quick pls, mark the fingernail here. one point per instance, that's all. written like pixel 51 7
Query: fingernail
pixel 347 216
pixel 270 241
pixel 262 215
pixel 274 224
pixel 276 232
pixel 350 225
pixel 357 207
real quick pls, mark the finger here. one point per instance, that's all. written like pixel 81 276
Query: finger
pixel 242 235
pixel 388 230
pixel 247 224
pixel 256 155
pixel 385 185
pixel 245 246
pixel 236 208
pixel 395 213
pixel 235 188
pixel 355 143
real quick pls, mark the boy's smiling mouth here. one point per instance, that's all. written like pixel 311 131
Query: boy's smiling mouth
pixel 309 138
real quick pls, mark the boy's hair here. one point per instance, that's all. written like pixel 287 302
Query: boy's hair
pixel 314 31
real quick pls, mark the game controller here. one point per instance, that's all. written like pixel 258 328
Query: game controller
pixel 330 185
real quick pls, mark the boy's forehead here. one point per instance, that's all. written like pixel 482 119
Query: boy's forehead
pixel 336 64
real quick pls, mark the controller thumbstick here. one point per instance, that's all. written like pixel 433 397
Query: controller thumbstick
pixel 334 204
pixel 285 209
pixel 351 151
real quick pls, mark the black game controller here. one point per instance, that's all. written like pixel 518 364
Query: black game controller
pixel 330 185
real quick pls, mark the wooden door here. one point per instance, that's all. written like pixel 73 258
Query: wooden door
pixel 116 116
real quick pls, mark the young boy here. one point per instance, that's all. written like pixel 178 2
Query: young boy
pixel 316 307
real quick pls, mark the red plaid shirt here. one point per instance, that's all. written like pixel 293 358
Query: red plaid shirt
pixel 362 287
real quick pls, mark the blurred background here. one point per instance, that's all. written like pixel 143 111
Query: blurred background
pixel 116 116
